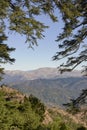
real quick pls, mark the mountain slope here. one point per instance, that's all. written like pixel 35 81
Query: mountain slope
pixel 24 115
pixel 52 91
pixel 17 111
pixel 47 84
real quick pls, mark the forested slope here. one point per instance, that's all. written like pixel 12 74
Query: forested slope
pixel 18 112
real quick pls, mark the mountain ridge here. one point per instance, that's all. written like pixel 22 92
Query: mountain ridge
pixel 56 91
pixel 40 73
pixel 47 84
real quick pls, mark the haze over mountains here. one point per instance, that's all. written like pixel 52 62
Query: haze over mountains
pixel 42 73
pixel 47 84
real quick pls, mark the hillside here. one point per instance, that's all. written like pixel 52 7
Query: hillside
pixel 47 84
pixel 52 91
pixel 18 112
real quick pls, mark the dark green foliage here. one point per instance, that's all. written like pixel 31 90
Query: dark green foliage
pixel 37 106
pixel 81 128
pixel 21 17
pixel 72 40
pixel 58 124
pixel 4 53
pixel 63 126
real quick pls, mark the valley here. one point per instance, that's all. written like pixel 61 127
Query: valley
pixel 47 84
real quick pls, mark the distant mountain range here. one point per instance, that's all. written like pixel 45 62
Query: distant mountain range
pixel 47 84
pixel 42 73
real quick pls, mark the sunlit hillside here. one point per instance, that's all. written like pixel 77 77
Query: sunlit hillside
pixel 18 112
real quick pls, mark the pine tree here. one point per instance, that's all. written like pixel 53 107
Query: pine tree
pixel 4 54
pixel 71 41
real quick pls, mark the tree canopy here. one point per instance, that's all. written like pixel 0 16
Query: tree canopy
pixel 71 41
pixel 20 16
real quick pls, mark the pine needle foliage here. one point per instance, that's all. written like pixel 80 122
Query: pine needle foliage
pixel 71 41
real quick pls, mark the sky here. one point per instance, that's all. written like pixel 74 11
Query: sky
pixel 41 56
